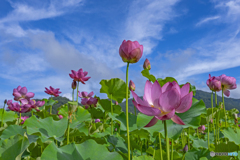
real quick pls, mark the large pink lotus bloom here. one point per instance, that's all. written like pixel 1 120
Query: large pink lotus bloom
pixel 163 102
pixel 227 83
pixel 52 91
pixel 21 93
pixel 85 94
pixel 18 108
pixel 24 119
pixel 33 104
pixel 79 76
pixel 91 102
pixel 130 51
pixel 214 84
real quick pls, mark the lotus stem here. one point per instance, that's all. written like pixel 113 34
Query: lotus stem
pixel 167 141
pixel 73 95
pixel 172 150
pixel 68 128
pixel 127 111
pixel 112 114
pixel 189 138
pixel 208 136
pixel 77 92
pixel 160 145
pixel 212 113
pixel 224 109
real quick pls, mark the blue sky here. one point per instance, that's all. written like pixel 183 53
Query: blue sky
pixel 42 41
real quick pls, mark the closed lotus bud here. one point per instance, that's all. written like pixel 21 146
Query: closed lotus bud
pixel 211 120
pixel 74 84
pixel 116 103
pixel 115 129
pixel 5 101
pixel 130 51
pixel 60 116
pixel 185 149
pixel 131 86
pixel 146 64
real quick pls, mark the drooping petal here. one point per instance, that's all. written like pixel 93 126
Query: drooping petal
pixel 170 100
pixel 152 122
pixel 149 111
pixel 139 100
pixel 186 103
pixel 227 93
pixel 166 116
pixel 177 120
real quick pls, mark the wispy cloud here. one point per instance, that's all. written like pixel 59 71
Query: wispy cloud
pixel 207 20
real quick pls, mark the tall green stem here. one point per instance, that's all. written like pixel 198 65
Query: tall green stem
pixel 51 107
pixel 208 136
pixel 127 111
pixel 2 115
pixel 189 138
pixel 160 145
pixel 68 133
pixel 224 108
pixel 167 141
pixel 77 91
pixel 212 113
pixel 112 114
pixel 172 150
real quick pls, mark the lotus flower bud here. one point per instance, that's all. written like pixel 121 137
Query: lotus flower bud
pixel 239 125
pixel 116 103
pixel 185 149
pixel 60 116
pixel 74 84
pixel 97 120
pixel 5 101
pixel 131 86
pixel 146 64
pixel 211 120
pixel 115 129
pixel 130 51
pixel 201 128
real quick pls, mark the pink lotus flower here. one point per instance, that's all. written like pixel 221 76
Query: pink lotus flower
pixel 85 94
pixel 130 51
pixel 33 104
pixel 115 129
pixel 201 128
pixel 146 64
pixel 214 84
pixel 52 91
pixel 131 85
pixel 116 103
pixel 211 120
pixel 227 83
pixel 19 108
pixel 21 93
pixel 79 76
pixel 60 116
pixel 74 84
pixel 163 102
pixel 97 120
pixel 23 119
pixel 91 102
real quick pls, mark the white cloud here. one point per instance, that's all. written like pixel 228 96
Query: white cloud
pixel 205 20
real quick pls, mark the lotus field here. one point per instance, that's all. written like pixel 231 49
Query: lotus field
pixel 171 123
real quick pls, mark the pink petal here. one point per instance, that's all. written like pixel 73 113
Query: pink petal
pixel 147 92
pixel 166 116
pixel 86 78
pixel 177 120
pixel 185 90
pixel 17 94
pixel 18 88
pixel 72 76
pixel 166 87
pixel 149 111
pixel 29 95
pixel 170 100
pixel 152 122
pixel 23 90
pixel 227 93
pixel 24 101
pixel 156 92
pixel 139 100
pixel 186 103
pixel 90 94
pixel 85 73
